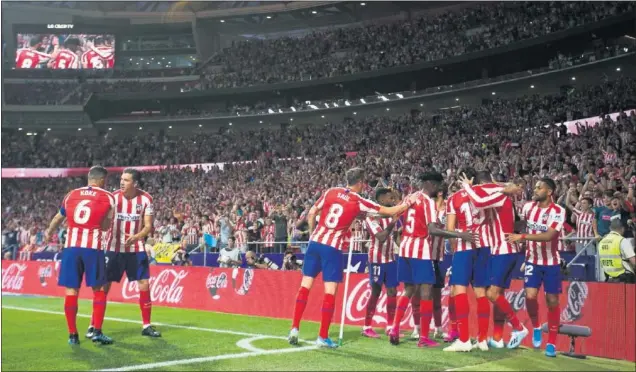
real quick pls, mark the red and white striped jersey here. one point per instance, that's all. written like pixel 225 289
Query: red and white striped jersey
pixel 564 245
pixel 85 210
pixel 340 207
pixel 209 228
pixel 379 253
pixel 240 234
pixel 129 220
pixel 66 59
pixel 438 242
pixel 191 233
pixel 500 215
pixel 357 235
pixel 268 233
pixel 30 58
pixel 468 218
pixel 584 222
pixel 539 220
pixel 415 241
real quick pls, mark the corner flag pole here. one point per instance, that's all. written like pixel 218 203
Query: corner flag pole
pixel 344 298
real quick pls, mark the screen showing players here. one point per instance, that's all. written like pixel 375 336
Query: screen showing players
pixel 65 51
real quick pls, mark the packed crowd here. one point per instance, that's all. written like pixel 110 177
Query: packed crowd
pixel 351 50
pixel 507 137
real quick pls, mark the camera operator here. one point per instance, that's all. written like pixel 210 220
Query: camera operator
pixel 291 263
pixel 181 258
pixel 255 261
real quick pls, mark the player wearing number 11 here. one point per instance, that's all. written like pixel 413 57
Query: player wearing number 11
pixel 339 206
pixel 89 211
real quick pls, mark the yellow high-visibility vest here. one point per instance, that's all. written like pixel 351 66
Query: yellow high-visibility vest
pixel 609 250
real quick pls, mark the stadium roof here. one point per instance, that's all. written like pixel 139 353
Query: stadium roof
pixel 150 6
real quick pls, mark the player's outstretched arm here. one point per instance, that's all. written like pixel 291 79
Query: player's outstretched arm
pixel 451 221
pixel 380 234
pixel 53 226
pixel 542 237
pixel 466 236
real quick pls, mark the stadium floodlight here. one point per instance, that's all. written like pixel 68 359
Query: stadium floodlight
pixel 323 116
pixel 363 4
pixel 399 95
pixel 280 111
pixel 140 128
pixel 230 123
pixel 326 105
pixel 618 69
pixel 456 99
pixel 49 129
pixel 200 125
pixel 170 127
pixel 270 111
pixel 493 93
pixel 79 129
pixel 335 104
pixel 293 109
pixel 222 21
pixel 573 78
pixel 314 12
pixel 355 113
pixel 260 122
pixel 363 101
pixel 347 103
pixel 383 98
pixel 19 128
pixel 531 86
pixel 269 17
pixel 313 107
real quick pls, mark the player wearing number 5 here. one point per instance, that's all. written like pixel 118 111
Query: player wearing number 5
pixel 338 207
pixel 89 211
pixel 544 220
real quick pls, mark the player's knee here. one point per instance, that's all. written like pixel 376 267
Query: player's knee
pixel 307 282
pixel 331 288
pixel 72 291
pixel 426 292
pixel 492 293
pixel 143 284
pixel 552 300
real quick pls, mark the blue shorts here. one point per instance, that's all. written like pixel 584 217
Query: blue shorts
pixel 386 273
pixel 440 276
pixel 549 276
pixel 136 266
pixel 323 258
pixel 78 262
pixel 470 267
pixel 500 269
pixel 416 271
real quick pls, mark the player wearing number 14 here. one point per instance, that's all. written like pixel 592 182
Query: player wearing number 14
pixel 338 208
pixel 89 211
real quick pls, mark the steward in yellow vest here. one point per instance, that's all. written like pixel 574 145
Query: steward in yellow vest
pixel 617 255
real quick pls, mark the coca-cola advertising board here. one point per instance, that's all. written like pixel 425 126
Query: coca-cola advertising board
pixel 608 309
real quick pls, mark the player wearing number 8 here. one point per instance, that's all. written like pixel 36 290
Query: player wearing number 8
pixel 89 211
pixel 338 208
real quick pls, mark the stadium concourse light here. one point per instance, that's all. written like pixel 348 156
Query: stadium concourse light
pixel 383 98
pixel 260 122
pixel 314 12
pixel 399 95
pixel 573 78
pixel 269 17
pixel 618 69
pixel 363 101
pixel 531 86
pixel 108 128
pixel 200 125
pixel 19 128
pixel 170 127
pixel 293 109
pixel 347 103
pixel 48 129
pixel 323 116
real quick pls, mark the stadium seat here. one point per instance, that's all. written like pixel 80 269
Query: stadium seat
pixel 572 331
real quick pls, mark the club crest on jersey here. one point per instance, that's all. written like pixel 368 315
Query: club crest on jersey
pixel 544 218
pixel 138 208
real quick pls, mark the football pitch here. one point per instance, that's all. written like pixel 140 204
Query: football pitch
pixel 34 337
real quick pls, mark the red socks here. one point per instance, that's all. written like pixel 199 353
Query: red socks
pixel 99 309
pixel 301 304
pixel 391 304
pixel 461 310
pixel 483 318
pixel 532 306
pixel 504 306
pixel 145 304
pixel 402 305
pixel 328 305
pixel 70 310
pixel 426 311
pixel 452 315
pixel 415 306
pixel 554 318
pixel 499 321
pixel 437 309
pixel 371 305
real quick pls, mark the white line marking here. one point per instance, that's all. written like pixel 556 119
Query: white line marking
pixel 210 359
pixel 246 343
pixel 121 320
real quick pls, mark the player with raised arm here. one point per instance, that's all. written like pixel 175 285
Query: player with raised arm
pixel 503 255
pixel 544 221
pixel 66 57
pixel 416 268
pixel 469 267
pixel 126 251
pixel 338 207
pixel 382 265
pixel 89 211
pixel 31 57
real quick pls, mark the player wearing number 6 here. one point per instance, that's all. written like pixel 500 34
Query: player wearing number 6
pixel 338 207
pixel 544 221
pixel 89 211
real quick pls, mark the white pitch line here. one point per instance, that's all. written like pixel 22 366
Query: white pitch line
pixel 246 343
pixel 211 359
pixel 122 320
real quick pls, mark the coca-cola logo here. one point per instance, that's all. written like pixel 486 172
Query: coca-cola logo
pixel 13 277
pixel 358 298
pixel 516 299
pixel 164 287
pixel 577 294
pixel 215 282
pixel 246 283
pixel 45 273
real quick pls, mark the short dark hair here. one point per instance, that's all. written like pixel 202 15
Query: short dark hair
pixel 482 177
pixel 382 191
pixel 97 172
pixel 589 200
pixel 35 40
pixel 354 175
pixel 72 42
pixel 469 172
pixel 136 175
pixel 550 182
pixel 431 176
pixel 609 193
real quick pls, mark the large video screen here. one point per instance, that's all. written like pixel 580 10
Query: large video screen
pixel 59 51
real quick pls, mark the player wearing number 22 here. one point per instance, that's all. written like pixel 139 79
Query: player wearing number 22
pixel 416 266
pixel 338 207
pixel 126 252
pixel 89 211
pixel 544 221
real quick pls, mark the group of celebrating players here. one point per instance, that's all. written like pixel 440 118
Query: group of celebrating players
pixel 106 233
pixel 60 52
pixel 479 221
